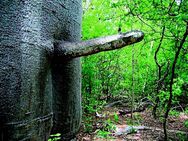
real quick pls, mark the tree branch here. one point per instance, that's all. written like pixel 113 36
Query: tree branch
pixel 84 48
pixel 157 51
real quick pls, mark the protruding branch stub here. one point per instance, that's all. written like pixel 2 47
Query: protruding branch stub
pixel 93 46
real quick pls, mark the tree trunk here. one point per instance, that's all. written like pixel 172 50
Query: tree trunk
pixel 66 76
pixel 25 75
pixel 39 68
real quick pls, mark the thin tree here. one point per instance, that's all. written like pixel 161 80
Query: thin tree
pixel 133 71
pixel 169 104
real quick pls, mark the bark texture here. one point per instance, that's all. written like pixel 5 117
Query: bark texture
pixel 66 75
pixel 25 77
pixel 28 30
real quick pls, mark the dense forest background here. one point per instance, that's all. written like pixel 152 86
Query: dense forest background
pixel 153 71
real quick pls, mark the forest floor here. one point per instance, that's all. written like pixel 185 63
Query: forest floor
pixel 144 127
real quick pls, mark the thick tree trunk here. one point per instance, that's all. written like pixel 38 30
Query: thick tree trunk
pixel 66 76
pixel 28 30
pixel 25 77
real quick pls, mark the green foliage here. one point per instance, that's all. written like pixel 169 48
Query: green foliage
pixel 116 117
pixel 108 128
pixel 177 86
pixel 174 113
pixel 186 110
pixel 137 118
pixel 186 123
pixel 103 134
pixel 55 137
pixel 177 92
pixel 88 123
pixel 182 137
pixel 109 125
pixel 107 76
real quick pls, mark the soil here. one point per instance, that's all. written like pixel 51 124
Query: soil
pixel 154 131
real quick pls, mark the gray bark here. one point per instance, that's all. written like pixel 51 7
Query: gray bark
pixel 28 29
pixel 25 77
pixel 66 76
